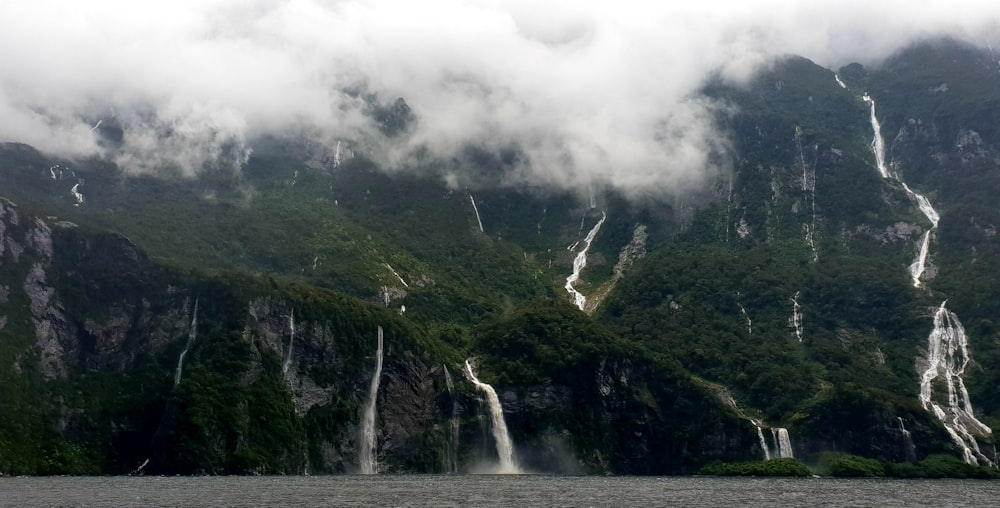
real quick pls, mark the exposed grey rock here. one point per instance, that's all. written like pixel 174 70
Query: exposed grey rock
pixel 39 239
pixel 52 329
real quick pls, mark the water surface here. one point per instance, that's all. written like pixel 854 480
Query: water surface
pixel 517 491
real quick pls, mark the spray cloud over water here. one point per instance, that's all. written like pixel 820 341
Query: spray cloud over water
pixel 589 92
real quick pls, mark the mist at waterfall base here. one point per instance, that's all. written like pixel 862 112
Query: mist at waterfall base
pixel 487 491
pixel 571 87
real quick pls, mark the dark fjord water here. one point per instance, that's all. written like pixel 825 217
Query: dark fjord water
pixel 516 491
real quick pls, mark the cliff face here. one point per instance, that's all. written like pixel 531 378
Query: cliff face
pixel 124 361
pixel 131 361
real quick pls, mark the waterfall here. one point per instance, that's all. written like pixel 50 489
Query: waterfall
pixel 336 156
pixel 76 194
pixel 878 144
pixel 139 470
pixel 839 82
pixel 808 186
pixel 505 447
pixel 795 322
pixel 746 316
pixel 947 357
pixel 784 443
pixel 920 263
pixel 763 442
pixel 580 262
pixel 191 336
pixel 947 349
pixel 911 448
pixel 452 442
pixel 593 198
pixel 394 272
pixel 366 452
pixel 291 342
pixel 878 147
pixel 476 209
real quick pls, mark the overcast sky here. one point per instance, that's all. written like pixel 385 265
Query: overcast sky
pixel 592 91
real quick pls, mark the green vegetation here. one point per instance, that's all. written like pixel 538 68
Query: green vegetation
pixel 803 226
pixel 776 467
pixel 843 465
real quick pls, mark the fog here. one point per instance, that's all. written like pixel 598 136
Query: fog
pixel 589 92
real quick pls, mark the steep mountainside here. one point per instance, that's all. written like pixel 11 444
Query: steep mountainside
pixel 832 293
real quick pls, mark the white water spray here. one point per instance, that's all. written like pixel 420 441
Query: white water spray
pixel 505 447
pixel 784 443
pixel 580 262
pixel 476 209
pixel 192 334
pixel 947 357
pixel 763 442
pixel 366 452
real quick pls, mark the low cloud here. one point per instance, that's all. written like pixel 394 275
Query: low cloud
pixel 588 92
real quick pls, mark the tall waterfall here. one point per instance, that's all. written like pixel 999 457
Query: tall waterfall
pixel 451 455
pixel 476 209
pixel 795 322
pixel 75 191
pixel 947 348
pixel 808 189
pixel 784 443
pixel 366 452
pixel 580 262
pixel 746 316
pixel 505 447
pixel 763 442
pixel 878 144
pixel 919 264
pixel 911 448
pixel 947 357
pixel 291 342
pixel 398 276
pixel 191 336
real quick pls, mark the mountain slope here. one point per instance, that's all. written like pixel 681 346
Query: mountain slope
pixel 782 310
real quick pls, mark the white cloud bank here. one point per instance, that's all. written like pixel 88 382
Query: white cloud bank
pixel 592 91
